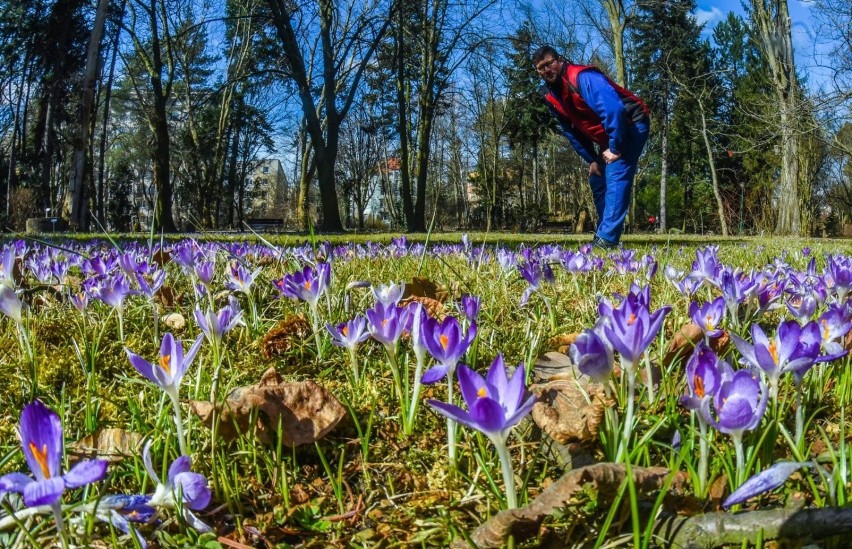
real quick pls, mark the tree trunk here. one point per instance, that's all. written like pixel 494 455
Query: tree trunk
pixel 714 176
pixel 664 170
pixel 772 20
pixel 77 200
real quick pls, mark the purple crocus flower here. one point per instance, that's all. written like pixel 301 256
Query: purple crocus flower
pixel 204 272
pixel 738 405
pixel 705 373
pixel 534 272
pixel 446 342
pixel 838 275
pixel 802 306
pixel 80 301
pixel 171 366
pixel 306 285
pixel 592 354
pixel 113 290
pixel 168 373
pixel 216 325
pixel 10 303
pixel 783 353
pixel 495 404
pixel 736 288
pixel 150 283
pixel 389 294
pixel 632 328
pixel 708 316
pixel 706 265
pixel 240 279
pixel 768 480
pixel 386 322
pixel 7 266
pixel 42 443
pixel 349 334
pixel 470 305
pixel 181 483
pixel 834 324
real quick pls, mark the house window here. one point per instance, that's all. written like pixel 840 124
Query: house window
pixel 266 169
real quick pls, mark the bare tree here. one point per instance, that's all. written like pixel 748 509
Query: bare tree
pixel 349 33
pixel 772 22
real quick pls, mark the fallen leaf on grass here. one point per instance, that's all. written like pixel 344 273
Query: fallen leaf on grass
pixel 562 342
pixel 288 333
pixel 570 410
pixel 306 411
pixel 524 523
pixel 685 340
pixel 433 307
pixel 166 296
pixel 423 287
pixel 111 445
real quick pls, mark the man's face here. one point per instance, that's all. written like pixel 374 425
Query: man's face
pixel 549 69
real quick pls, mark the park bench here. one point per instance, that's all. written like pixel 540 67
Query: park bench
pixel 265 224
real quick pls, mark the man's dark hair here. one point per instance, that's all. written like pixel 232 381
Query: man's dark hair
pixel 543 51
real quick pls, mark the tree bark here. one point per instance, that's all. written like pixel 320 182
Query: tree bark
pixel 77 201
pixel 714 176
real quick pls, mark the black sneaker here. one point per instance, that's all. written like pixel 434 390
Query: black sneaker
pixel 598 242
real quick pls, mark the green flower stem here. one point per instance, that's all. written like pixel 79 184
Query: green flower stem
pixel 451 425
pixel 649 379
pixel 703 456
pixel 800 417
pixel 408 428
pixel 184 450
pixel 508 474
pixel 738 449
pixel 353 362
pixel 315 326
pixel 628 415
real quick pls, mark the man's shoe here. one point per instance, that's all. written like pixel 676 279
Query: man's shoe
pixel 598 242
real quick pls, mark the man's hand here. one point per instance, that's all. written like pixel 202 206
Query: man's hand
pixel 610 157
pixel 594 169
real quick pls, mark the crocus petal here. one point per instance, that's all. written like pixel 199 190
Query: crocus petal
pixel 496 378
pixel 43 492
pixel 488 416
pixel 85 472
pixel 195 522
pixel 146 459
pixel 514 393
pixel 472 385
pixel 148 370
pixel 14 482
pixel 770 479
pixel 178 466
pixel 190 354
pixel 453 412
pixel 434 374
pixel 521 411
pixel 193 487
pixel 41 430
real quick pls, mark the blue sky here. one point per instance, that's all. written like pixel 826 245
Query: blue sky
pixel 806 46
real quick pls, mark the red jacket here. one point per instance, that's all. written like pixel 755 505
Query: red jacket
pixel 572 108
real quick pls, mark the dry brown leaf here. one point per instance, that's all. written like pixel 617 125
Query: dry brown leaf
pixel 562 342
pixel 569 410
pixel 717 489
pixel 175 321
pixel 109 444
pixel 433 307
pixel 423 287
pixel 166 296
pixel 161 257
pixel 552 364
pixel 685 340
pixel 524 523
pixel 287 334
pixel 306 412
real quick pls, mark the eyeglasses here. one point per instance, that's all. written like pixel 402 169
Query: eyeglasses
pixel 541 67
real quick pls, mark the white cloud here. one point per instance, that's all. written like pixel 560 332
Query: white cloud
pixel 706 16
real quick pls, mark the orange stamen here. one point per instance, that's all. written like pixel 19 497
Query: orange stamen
pixel 698 383
pixel 444 341
pixel 632 319
pixel 482 392
pixel 307 285
pixel 773 351
pixel 345 331
pixel 41 458
pixel 165 363
pixel 709 320
pixel 825 331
